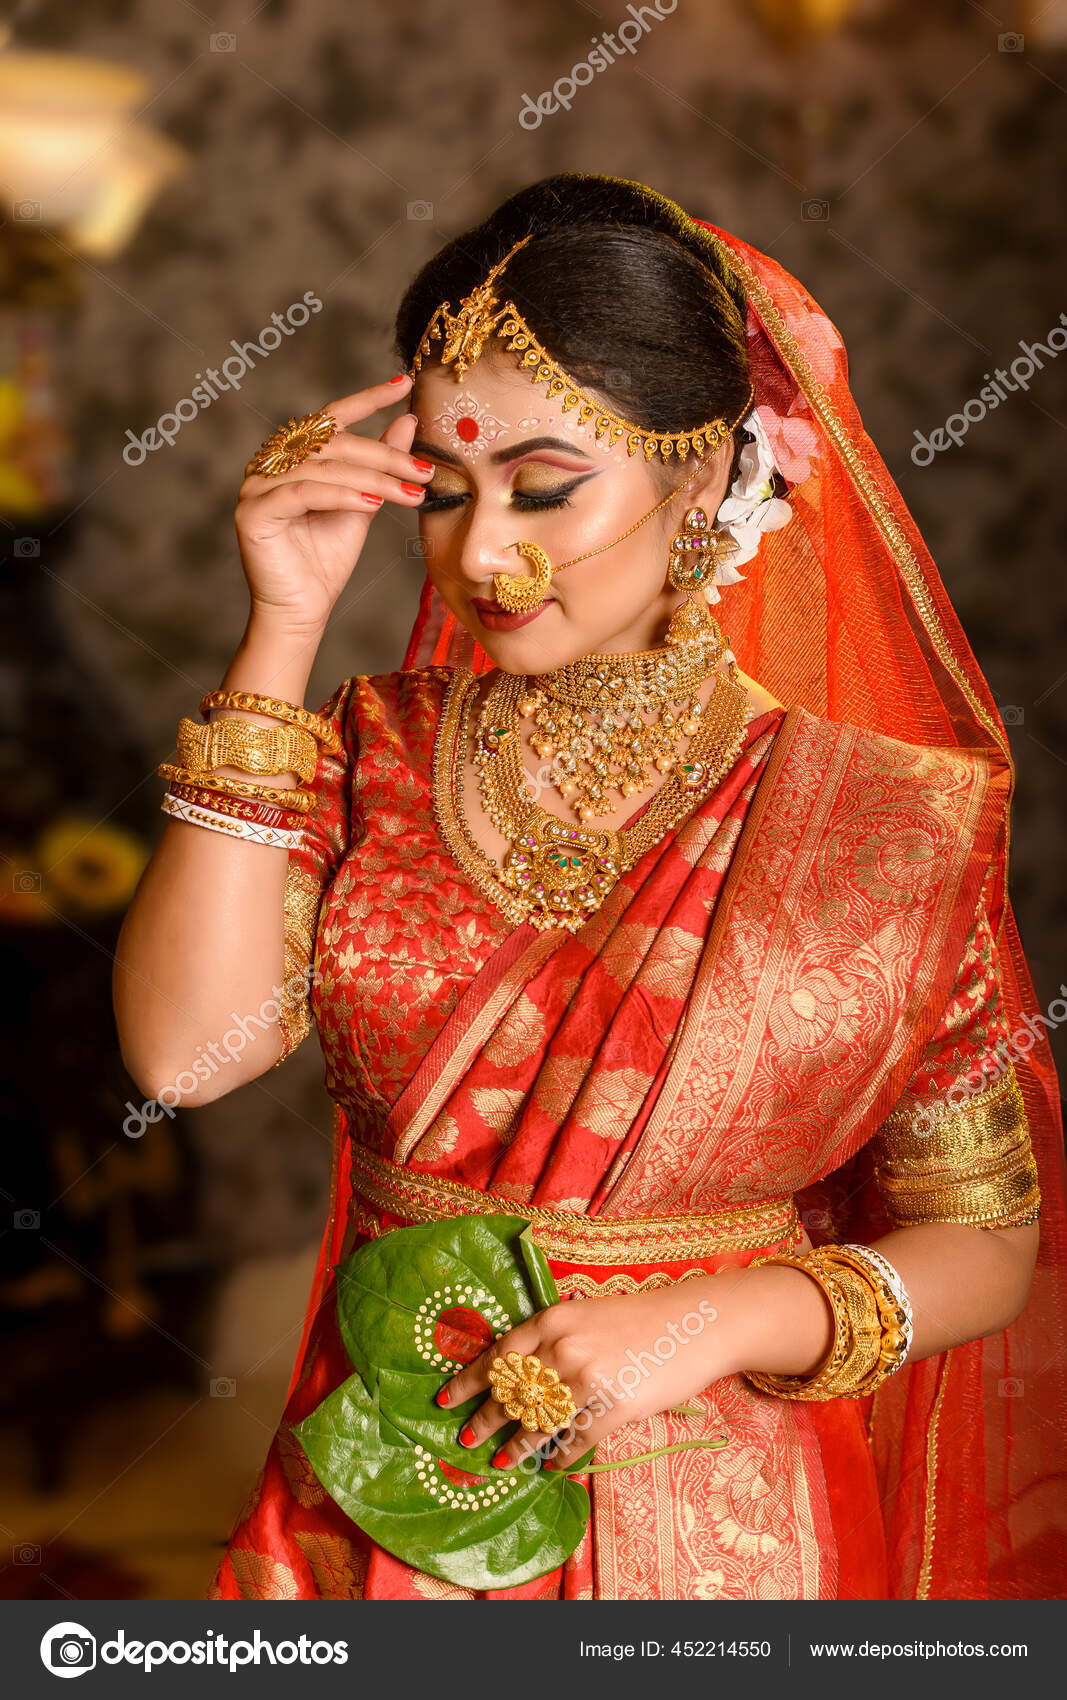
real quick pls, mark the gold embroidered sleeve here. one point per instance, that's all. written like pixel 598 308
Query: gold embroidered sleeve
pixel 312 868
pixel 956 1147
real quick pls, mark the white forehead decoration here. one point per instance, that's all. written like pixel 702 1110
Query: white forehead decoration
pixel 469 424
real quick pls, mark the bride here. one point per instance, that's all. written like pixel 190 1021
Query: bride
pixel 708 973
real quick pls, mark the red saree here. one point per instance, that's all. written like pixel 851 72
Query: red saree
pixel 823 938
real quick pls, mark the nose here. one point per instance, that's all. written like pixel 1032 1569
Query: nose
pixel 481 547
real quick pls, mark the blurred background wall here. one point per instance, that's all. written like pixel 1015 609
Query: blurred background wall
pixel 175 174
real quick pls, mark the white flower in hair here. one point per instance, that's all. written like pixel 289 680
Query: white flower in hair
pixel 750 509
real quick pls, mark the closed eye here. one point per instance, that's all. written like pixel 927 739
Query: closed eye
pixel 523 501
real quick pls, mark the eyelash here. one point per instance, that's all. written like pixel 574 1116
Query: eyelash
pixel 560 498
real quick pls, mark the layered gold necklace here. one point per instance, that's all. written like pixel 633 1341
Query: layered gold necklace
pixel 556 874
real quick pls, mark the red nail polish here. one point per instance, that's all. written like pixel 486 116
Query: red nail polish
pixel 501 1458
pixel 442 1397
pixel 466 1435
pixel 412 489
pixel 423 465
pixel 367 497
pixel 399 379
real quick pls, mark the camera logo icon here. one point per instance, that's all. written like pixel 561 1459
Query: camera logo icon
pixel 68 1649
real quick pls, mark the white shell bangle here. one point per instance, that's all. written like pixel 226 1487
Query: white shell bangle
pixel 195 813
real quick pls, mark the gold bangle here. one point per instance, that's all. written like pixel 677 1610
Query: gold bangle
pixel 821 1381
pixel 232 742
pixel 893 1321
pixel 862 1369
pixel 290 712
pixel 294 799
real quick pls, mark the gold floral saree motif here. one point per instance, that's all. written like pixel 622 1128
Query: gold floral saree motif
pixel 837 933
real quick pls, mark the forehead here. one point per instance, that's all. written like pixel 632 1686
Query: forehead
pixel 495 400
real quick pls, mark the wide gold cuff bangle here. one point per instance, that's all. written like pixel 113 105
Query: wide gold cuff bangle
pixel 969 1163
pixel 278 709
pixel 301 901
pixel 232 742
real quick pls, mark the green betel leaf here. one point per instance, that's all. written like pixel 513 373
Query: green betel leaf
pixel 413 1307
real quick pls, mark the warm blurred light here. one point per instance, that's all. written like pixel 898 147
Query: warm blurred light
pixel 794 20
pixel 72 155
pixel 1044 23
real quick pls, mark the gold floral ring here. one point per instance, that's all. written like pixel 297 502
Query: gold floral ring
pixel 292 443
pixel 531 1393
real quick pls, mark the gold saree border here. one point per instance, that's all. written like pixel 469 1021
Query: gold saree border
pixel 922 1585
pixel 566 1235
pixel 812 759
pixel 749 1522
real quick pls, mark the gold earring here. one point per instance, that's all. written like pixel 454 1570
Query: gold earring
pixel 695 551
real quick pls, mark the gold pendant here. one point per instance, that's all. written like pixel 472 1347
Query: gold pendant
pixel 562 871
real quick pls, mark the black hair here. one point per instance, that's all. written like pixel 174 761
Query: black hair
pixel 626 292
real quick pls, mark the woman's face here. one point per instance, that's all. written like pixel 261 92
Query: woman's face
pixel 511 465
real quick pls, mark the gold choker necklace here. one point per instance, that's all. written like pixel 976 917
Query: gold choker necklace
pixel 613 752
pixel 555 874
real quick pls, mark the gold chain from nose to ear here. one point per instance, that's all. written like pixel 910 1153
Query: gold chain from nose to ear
pixel 632 528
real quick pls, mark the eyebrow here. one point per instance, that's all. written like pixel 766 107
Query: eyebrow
pixel 499 456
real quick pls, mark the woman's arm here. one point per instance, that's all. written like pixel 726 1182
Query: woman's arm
pixel 202 947
pixel 963 1283
pixel 629 1356
pixel 202 941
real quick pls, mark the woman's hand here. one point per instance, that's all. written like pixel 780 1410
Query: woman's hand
pixel 301 533
pixel 623 1358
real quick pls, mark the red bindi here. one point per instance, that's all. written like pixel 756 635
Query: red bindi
pixel 468 429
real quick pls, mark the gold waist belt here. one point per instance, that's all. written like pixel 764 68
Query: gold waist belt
pixel 565 1235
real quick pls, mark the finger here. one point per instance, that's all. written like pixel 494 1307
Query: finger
pixel 487 1420
pixel 307 496
pixel 364 479
pixel 561 1450
pixel 350 409
pixel 475 1377
pixel 400 432
pixel 381 453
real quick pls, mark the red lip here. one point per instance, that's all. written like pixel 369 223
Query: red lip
pixel 487 605
pixel 498 619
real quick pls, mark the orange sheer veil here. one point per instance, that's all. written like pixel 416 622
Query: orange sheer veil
pixel 843 611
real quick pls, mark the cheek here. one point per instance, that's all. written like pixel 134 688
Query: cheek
pixel 631 572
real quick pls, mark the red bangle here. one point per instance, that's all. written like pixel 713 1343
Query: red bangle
pixel 240 808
